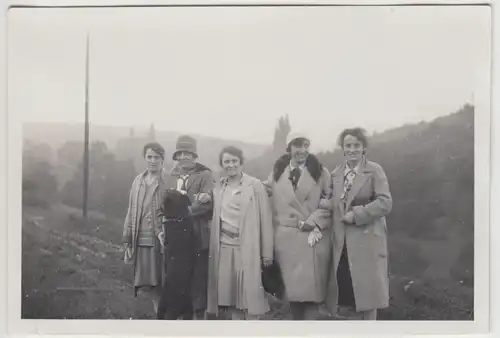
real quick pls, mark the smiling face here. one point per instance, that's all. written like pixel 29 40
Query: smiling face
pixel 353 149
pixel 185 159
pixel 153 160
pixel 299 150
pixel 231 165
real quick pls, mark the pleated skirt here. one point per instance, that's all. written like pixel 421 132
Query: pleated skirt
pixel 149 267
pixel 230 278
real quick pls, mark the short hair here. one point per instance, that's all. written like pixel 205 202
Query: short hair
pixel 156 147
pixel 357 132
pixel 232 151
pixel 297 142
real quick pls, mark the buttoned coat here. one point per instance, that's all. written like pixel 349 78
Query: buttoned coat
pixel 304 268
pixel 370 201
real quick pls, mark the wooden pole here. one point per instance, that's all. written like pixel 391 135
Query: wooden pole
pixel 86 145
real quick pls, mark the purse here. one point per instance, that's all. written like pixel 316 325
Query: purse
pixel 272 280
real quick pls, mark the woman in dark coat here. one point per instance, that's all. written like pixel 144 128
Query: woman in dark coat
pixel 197 182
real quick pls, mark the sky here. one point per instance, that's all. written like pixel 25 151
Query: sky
pixel 231 72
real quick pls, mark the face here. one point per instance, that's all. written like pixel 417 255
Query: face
pixel 185 159
pixel 299 150
pixel 231 165
pixel 353 149
pixel 154 160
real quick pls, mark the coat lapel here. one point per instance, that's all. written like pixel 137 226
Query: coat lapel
pixel 189 181
pixel 285 190
pixel 359 181
pixel 304 186
pixel 338 186
pixel 246 191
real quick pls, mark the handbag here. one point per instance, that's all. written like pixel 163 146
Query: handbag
pixel 272 280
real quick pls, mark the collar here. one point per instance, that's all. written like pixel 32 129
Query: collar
pixel 301 167
pixel 224 180
pixel 160 177
pixel 356 168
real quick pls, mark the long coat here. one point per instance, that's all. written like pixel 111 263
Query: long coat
pixel 304 268
pixel 200 180
pixel 366 240
pixel 256 242
pixel 132 219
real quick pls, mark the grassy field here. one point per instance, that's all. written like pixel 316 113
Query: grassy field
pixel 75 271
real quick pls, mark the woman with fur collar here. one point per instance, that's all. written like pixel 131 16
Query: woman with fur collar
pixel 302 230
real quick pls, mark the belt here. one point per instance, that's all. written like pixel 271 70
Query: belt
pixel 229 233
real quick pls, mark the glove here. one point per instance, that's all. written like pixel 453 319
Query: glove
pixel 314 237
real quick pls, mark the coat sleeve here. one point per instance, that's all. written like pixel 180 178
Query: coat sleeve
pixel 207 186
pixel 322 216
pixel 382 203
pixel 160 213
pixel 268 184
pixel 127 226
pixel 266 221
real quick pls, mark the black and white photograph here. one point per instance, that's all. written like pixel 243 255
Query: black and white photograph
pixel 249 163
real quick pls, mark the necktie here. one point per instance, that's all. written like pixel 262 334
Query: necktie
pixel 181 184
pixel 294 177
pixel 348 182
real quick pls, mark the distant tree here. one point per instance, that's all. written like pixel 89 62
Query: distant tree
pixel 69 157
pixel 261 166
pixel 280 134
pixel 109 182
pixel 39 186
pixel 152 133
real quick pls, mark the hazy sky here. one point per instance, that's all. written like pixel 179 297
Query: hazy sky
pixel 231 72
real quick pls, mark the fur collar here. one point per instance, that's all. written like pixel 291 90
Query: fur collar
pixel 313 166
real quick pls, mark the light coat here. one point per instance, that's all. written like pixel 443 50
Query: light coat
pixel 366 240
pixel 256 242
pixel 132 220
pixel 304 268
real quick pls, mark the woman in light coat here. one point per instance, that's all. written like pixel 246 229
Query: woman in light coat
pixel 241 242
pixel 142 232
pixel 361 199
pixel 302 230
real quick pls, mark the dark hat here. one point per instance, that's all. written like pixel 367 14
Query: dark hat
pixel 185 143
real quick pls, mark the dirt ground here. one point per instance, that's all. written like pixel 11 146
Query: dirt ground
pixel 75 271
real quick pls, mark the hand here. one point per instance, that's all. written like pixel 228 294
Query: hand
pixel 314 237
pixel 203 197
pixel 267 262
pixel 161 237
pixel 304 226
pixel 348 218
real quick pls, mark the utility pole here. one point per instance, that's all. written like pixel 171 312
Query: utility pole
pixel 86 145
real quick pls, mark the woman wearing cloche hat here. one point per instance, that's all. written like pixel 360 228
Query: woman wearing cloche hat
pixel 302 237
pixel 196 180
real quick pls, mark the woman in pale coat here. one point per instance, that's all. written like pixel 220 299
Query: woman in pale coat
pixel 241 242
pixel 361 200
pixel 142 233
pixel 302 235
